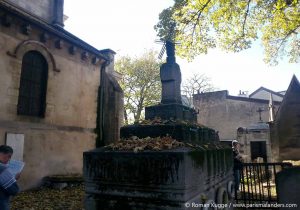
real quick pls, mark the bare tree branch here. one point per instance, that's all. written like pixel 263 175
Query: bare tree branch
pixel 245 18
pixel 198 18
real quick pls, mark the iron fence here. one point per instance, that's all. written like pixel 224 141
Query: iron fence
pixel 258 182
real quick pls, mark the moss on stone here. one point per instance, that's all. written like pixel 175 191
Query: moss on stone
pixel 198 156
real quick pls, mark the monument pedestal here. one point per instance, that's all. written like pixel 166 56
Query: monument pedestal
pixel 149 180
pixel 181 132
pixel 171 111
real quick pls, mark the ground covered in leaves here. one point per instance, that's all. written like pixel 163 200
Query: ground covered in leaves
pixel 69 198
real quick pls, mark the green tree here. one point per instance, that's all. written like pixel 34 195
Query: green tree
pixel 196 83
pixel 140 82
pixel 233 25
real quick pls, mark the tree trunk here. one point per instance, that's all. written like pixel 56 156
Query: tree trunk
pixel 138 115
pixel 125 117
pixel 139 109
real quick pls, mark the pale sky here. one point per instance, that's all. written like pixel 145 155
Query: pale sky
pixel 127 28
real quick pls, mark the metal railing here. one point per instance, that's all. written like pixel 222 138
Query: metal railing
pixel 258 182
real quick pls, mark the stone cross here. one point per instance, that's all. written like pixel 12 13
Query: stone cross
pixel 260 110
pixel 171 106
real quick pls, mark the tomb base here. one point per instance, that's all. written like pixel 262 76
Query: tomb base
pixel 151 180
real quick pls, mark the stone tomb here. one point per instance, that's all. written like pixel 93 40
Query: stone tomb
pixel 288 187
pixel 198 173
pixel 191 133
pixel 170 179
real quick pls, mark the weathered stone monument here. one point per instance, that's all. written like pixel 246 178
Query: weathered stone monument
pixel 288 187
pixel 171 105
pixel 190 168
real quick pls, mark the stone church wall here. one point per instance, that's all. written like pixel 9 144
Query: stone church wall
pixel 53 144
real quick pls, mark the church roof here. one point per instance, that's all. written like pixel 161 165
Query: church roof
pixel 279 94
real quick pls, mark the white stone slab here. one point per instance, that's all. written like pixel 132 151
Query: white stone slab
pixel 16 141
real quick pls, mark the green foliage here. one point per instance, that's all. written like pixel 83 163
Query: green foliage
pixel 140 83
pixel 234 25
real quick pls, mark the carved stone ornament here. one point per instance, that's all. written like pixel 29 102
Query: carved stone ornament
pixel 59 44
pixel 72 50
pixel 26 29
pixel 84 55
pixel 44 37
pixel 95 60
pixel 28 45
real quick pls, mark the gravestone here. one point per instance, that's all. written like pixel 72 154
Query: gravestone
pixel 197 172
pixel 288 187
pixel 16 141
pixel 171 104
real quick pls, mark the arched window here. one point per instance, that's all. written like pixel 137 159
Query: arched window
pixel 33 85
